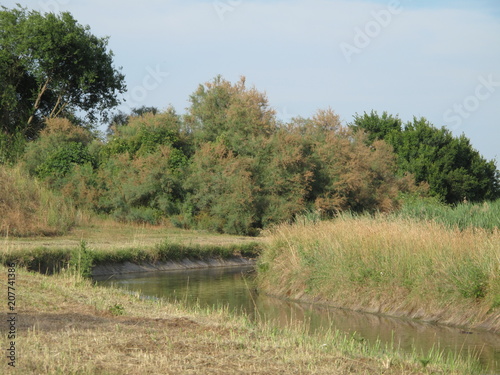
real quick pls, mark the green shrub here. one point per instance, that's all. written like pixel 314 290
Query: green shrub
pixel 61 161
pixel 143 135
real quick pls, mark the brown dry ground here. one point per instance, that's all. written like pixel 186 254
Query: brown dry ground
pixel 68 326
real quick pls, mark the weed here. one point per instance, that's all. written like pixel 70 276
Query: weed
pixel 117 309
pixel 82 260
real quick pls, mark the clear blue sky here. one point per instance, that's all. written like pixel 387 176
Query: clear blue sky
pixel 436 59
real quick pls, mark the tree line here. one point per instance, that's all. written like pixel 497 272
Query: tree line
pixel 228 164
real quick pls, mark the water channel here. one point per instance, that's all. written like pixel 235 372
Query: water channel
pixel 233 287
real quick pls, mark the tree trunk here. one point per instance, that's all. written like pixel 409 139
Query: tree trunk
pixel 38 100
pixel 55 112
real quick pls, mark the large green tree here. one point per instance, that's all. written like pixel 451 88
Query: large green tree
pixel 451 166
pixel 51 66
pixel 238 116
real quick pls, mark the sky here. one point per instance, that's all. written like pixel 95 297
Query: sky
pixel 434 59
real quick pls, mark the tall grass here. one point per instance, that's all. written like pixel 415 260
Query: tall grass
pixel 484 215
pixel 12 147
pixel 388 265
pixel 28 208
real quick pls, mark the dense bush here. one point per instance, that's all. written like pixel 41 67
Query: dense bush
pixel 143 135
pixel 143 189
pixel 249 172
pixel 229 166
pixel 223 191
pixel 61 145
pixel 142 168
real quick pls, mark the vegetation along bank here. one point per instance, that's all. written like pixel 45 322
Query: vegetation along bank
pixel 390 265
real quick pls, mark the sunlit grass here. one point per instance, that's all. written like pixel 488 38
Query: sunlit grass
pixel 82 258
pixel 104 241
pixel 485 215
pixel 27 208
pixel 388 265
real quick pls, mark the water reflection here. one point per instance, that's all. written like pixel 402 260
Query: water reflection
pixel 233 287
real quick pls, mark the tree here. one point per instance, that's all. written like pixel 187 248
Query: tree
pixel 285 174
pixel 52 66
pixel 238 116
pixel 450 165
pixel 60 146
pixel 378 127
pixel 351 174
pixel 143 134
pixel 121 118
pixel 222 190
pixel 142 168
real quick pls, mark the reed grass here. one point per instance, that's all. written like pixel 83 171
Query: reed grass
pixel 389 265
pixel 27 208
pixel 485 215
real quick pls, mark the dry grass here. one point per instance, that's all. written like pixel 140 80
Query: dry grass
pixel 108 242
pixel 109 235
pixel 391 266
pixel 67 326
pixel 28 208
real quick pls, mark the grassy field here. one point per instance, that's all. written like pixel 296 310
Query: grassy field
pixel 388 265
pixel 105 242
pixel 66 325
pixel 407 264
pixel 109 235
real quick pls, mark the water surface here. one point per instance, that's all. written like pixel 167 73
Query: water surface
pixel 234 288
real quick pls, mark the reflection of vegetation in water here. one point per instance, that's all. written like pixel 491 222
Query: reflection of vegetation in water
pixel 234 291
pixel 199 287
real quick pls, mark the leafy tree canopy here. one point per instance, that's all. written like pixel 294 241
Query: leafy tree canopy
pixel 453 168
pixel 52 66
pixel 121 118
pixel 234 114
